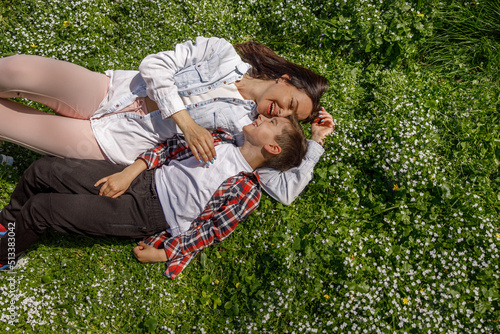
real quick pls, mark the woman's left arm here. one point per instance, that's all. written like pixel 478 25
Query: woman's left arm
pixel 285 187
pixel 158 70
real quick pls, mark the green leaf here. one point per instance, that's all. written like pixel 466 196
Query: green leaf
pixel 150 323
pixel 446 191
pixel 482 306
pixel 454 293
pixel 296 244
pixel 309 252
pixel 363 288
pixel 217 302
pixel 322 173
pixel 490 293
pixel 407 231
pixel 47 278
pixel 236 309
pixel 203 260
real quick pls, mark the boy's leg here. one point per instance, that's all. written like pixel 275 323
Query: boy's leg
pixel 55 175
pixel 135 214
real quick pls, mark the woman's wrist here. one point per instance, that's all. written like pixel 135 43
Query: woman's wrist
pixel 318 139
pixel 182 119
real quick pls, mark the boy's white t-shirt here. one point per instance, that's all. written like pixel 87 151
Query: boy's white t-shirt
pixel 185 187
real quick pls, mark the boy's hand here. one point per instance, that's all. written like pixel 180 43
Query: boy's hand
pixel 148 254
pixel 114 185
pixel 322 126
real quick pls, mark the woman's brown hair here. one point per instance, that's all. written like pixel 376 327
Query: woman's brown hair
pixel 266 64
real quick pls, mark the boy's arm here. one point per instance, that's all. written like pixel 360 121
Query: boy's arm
pixel 116 184
pixel 235 199
pixel 173 148
pixel 148 254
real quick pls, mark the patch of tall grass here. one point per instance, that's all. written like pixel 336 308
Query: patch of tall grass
pixel 466 38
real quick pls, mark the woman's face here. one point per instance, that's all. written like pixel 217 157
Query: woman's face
pixel 283 99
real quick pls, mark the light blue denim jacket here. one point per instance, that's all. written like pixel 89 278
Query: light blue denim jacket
pixel 164 77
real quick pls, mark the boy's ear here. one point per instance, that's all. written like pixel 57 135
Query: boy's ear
pixel 273 149
pixel 286 76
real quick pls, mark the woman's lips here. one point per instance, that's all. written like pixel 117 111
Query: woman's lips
pixel 271 108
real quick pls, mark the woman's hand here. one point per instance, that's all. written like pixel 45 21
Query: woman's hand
pixel 148 254
pixel 322 126
pixel 115 185
pixel 198 138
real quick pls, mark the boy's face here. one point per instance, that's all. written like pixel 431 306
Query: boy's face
pixel 263 130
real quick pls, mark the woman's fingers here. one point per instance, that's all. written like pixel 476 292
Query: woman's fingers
pixel 324 119
pixel 208 149
pixel 322 126
pixel 202 146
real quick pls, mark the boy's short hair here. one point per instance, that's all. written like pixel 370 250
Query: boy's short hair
pixel 293 145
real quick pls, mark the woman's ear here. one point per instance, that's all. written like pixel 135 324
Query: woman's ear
pixel 273 149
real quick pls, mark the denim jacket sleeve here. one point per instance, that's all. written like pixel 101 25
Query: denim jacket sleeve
pixel 159 70
pixel 286 186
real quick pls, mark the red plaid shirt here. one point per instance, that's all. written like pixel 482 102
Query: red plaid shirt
pixel 231 203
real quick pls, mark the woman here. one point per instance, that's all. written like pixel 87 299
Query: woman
pixel 121 114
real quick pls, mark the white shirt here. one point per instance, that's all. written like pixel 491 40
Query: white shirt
pixel 185 187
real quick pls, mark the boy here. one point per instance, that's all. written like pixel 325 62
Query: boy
pixel 170 201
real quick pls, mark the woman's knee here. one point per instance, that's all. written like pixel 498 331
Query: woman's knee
pixel 16 72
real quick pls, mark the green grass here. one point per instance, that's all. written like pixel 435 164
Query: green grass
pixel 398 232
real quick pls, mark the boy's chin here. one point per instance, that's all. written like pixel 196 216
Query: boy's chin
pixel 246 128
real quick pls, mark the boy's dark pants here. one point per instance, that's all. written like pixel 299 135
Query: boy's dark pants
pixel 60 194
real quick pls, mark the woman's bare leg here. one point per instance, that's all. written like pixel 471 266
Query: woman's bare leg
pixel 47 134
pixel 70 90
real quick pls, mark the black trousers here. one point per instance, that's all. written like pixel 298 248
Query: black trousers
pixel 60 194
